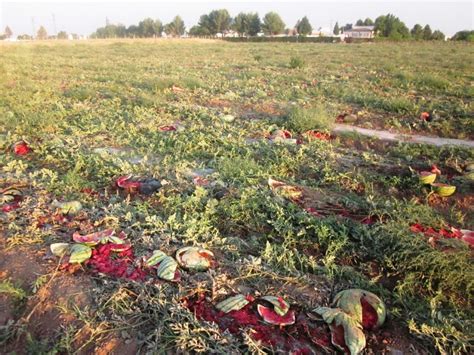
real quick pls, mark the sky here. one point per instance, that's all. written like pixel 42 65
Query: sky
pixel 84 17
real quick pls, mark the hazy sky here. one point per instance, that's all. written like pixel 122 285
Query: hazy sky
pixel 83 17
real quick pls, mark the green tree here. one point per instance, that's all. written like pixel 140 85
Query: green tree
pixel 217 21
pixel 273 24
pixel 368 22
pixel 120 31
pixel 150 28
pixel 205 24
pixel 336 29
pixel 241 24
pixel 133 31
pixel 255 25
pixel 347 27
pixel 381 26
pixel 427 33
pixel 24 36
pixel 464 35
pixel 247 24
pixel 109 31
pixel 8 32
pixel 390 26
pixel 62 35
pixel 176 27
pixel 417 32
pixel 220 21
pixel 158 27
pixel 303 27
pixel 438 36
pixel 198 30
pixel 359 23
pixel 42 34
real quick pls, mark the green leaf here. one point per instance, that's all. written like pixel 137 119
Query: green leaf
pixel 11 192
pixel 8 195
pixel 4 198
pixel 80 253
pixel 59 249
pixel 234 303
pixel 280 306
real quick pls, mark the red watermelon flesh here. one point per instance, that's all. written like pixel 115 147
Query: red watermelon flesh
pixel 369 315
pixel 298 338
pixel 337 337
pixel 272 317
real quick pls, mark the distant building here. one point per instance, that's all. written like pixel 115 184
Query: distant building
pixel 360 32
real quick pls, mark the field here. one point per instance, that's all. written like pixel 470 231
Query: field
pixel 211 121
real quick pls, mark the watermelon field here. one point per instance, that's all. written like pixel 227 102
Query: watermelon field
pixel 199 196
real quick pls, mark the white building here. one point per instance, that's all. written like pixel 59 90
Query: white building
pixel 360 32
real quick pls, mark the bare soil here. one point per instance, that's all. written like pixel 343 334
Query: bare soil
pixel 55 306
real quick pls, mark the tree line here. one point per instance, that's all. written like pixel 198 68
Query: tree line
pixel 249 24
pixel 211 24
pixel 145 29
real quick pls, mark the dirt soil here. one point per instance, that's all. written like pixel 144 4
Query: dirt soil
pixel 56 305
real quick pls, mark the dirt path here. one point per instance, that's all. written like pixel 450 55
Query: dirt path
pixel 397 137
